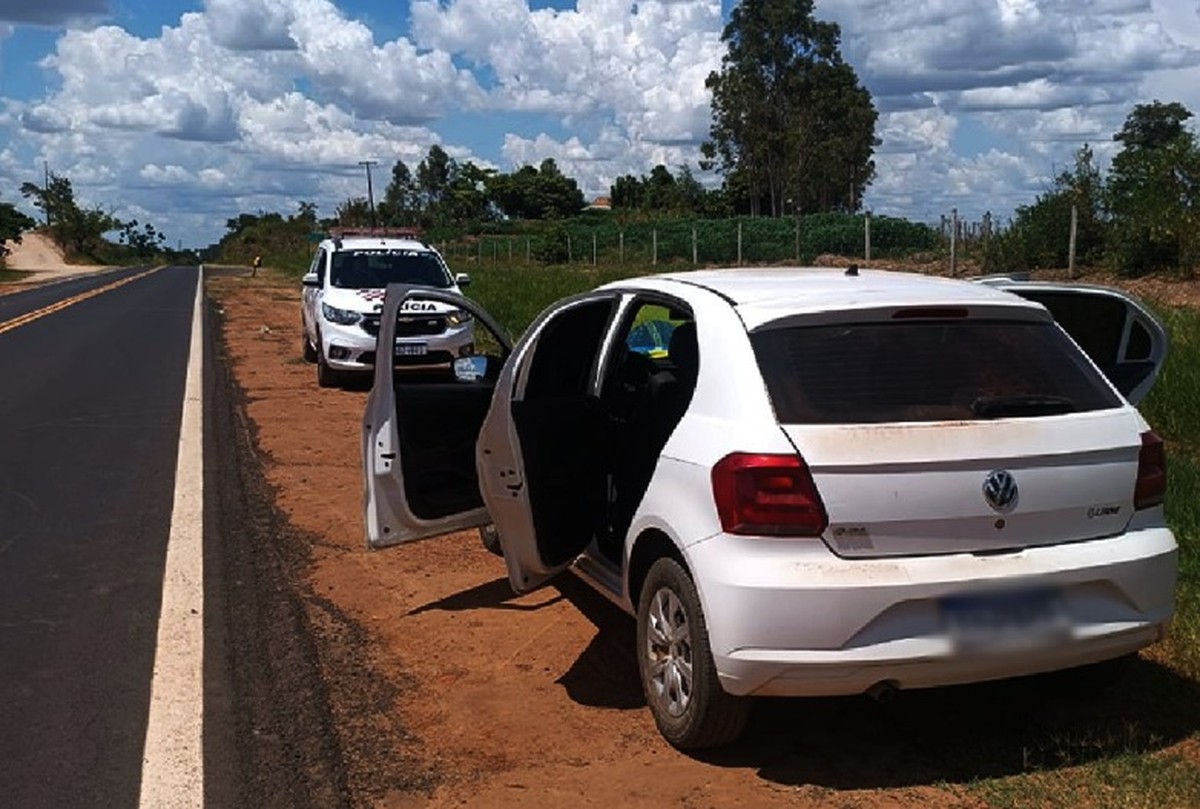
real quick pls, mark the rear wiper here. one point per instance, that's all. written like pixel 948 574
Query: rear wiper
pixel 1023 404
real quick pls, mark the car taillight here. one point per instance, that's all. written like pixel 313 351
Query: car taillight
pixel 767 494
pixel 1152 472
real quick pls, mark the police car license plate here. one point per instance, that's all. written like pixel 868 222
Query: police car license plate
pixel 411 349
pixel 1005 620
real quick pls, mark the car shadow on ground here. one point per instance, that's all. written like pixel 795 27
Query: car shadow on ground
pixel 495 595
pixel 920 737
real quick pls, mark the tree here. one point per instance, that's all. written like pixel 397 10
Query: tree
pixel 1041 233
pixel 1154 191
pixel 433 180
pixel 543 192
pixel 466 198
pixel 790 119
pixel 76 230
pixel 354 213
pixel 12 224
pixel 401 204
pixel 144 242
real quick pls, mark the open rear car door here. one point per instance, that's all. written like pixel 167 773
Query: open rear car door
pixel 513 441
pixel 1119 334
pixel 420 429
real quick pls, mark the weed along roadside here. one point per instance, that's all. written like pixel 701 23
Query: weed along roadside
pixel 533 699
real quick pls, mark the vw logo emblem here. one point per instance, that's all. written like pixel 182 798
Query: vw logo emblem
pixel 1000 491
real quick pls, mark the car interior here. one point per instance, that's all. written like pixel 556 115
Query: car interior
pixel 588 459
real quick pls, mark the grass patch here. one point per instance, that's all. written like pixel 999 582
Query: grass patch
pixel 8 276
pixel 516 295
pixel 1129 781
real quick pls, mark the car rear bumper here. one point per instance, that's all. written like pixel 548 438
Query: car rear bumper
pixel 789 618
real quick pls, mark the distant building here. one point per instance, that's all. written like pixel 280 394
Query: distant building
pixel 600 204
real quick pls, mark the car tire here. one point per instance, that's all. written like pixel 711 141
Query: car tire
pixel 679 677
pixel 310 351
pixel 326 377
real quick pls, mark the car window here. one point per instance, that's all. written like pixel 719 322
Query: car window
pixel 320 268
pixel 566 350
pixel 651 328
pixel 1096 322
pixel 925 371
pixel 375 269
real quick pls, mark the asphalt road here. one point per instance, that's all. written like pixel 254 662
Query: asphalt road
pixel 90 401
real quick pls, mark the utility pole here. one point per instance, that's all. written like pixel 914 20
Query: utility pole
pixel 46 190
pixel 370 191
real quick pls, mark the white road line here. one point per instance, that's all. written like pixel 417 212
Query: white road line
pixel 173 758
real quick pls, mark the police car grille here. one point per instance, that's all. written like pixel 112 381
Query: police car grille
pixel 408 325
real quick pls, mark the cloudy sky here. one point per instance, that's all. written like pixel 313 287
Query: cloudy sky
pixel 186 113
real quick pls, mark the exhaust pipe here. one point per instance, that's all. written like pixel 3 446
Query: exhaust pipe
pixel 882 692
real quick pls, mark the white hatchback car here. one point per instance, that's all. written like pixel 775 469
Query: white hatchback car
pixel 343 294
pixel 827 483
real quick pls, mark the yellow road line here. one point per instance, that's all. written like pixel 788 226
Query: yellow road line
pixel 29 317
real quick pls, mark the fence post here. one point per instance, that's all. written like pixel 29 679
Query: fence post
pixel 797 238
pixel 622 259
pixel 570 253
pixel 695 254
pixel 593 248
pixel 510 241
pixel 480 258
pixel 739 259
pixel 867 229
pixel 654 246
pixel 495 252
pixel 1071 247
pixel 953 241
pixel 527 253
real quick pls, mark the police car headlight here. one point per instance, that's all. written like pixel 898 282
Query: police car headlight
pixel 456 317
pixel 342 317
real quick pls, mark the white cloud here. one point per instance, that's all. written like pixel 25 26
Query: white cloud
pixel 257 104
pixel 640 65
pixel 251 26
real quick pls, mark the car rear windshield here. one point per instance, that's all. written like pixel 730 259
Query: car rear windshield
pixel 926 371
pixel 375 269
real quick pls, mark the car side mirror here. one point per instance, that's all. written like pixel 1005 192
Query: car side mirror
pixel 462 280
pixel 310 280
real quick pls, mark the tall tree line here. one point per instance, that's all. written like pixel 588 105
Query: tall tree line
pixel 1143 216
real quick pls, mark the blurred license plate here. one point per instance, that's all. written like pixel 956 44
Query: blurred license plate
pixel 1025 617
pixel 410 349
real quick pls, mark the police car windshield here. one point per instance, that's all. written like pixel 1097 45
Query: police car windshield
pixel 374 269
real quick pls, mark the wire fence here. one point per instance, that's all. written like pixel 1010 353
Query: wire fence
pixel 954 242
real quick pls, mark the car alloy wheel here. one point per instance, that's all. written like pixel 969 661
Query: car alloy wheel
pixel 669 651
pixel 679 677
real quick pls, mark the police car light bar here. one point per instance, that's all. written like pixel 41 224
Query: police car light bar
pixel 382 233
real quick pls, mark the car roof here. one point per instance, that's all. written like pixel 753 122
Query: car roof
pixel 376 243
pixel 763 294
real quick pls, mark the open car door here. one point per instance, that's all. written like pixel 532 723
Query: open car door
pixel 420 429
pixel 542 447
pixel 1118 333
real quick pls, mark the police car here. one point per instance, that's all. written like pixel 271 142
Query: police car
pixel 343 295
